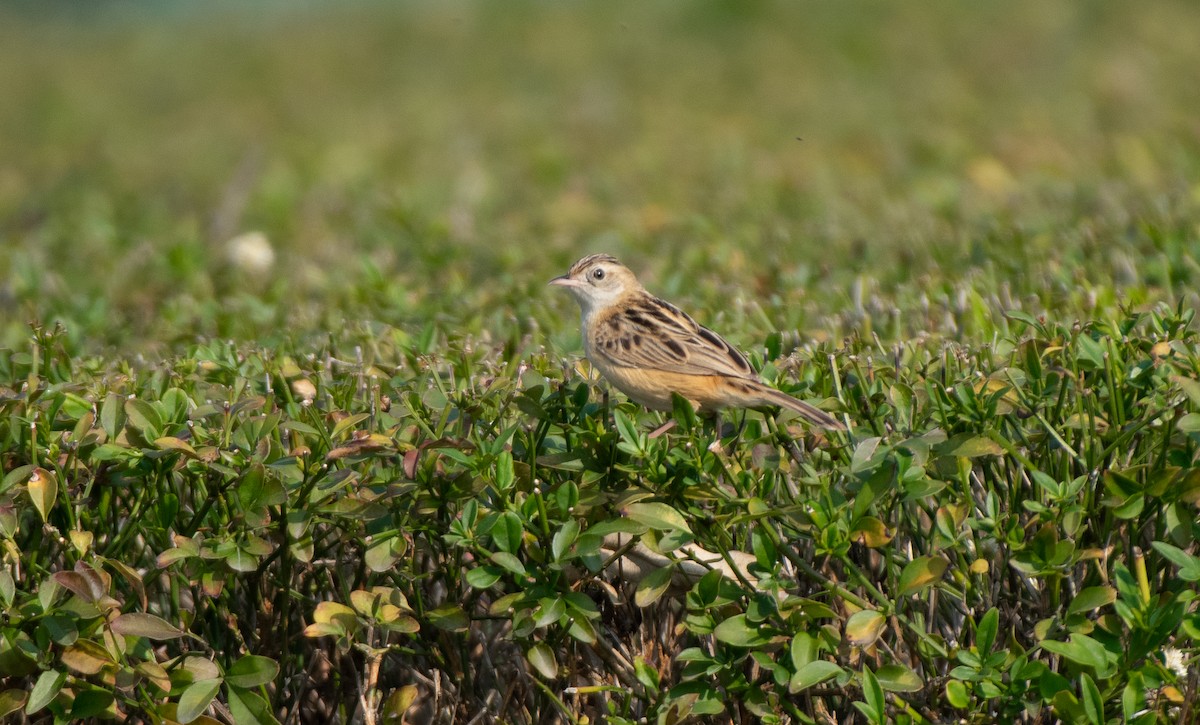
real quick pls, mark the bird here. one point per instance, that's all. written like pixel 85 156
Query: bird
pixel 649 349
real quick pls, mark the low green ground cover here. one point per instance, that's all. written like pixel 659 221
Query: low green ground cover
pixel 291 428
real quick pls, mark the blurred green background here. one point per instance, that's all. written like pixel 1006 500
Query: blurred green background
pixel 828 168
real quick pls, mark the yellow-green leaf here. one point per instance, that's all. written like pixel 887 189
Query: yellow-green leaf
pixel 86 657
pixel 920 573
pixel 871 532
pixel 12 700
pixel 864 627
pixel 967 445
pixel 171 443
pixel 43 490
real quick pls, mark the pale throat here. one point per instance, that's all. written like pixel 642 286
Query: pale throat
pixel 593 302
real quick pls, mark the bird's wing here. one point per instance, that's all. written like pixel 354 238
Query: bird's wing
pixel 650 333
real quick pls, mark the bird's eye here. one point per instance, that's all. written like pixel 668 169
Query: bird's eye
pixel 598 274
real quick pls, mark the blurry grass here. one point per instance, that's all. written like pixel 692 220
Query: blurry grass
pixel 438 162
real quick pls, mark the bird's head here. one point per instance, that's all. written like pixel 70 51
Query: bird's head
pixel 598 281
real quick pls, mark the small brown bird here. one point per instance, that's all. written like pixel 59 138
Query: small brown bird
pixel 649 348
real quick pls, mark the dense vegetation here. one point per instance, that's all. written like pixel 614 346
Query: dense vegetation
pixel 291 428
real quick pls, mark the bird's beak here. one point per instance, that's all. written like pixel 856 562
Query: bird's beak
pixel 564 281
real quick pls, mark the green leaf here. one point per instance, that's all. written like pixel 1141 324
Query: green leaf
pixel 898 678
pixel 1093 705
pixel 504 471
pixel 195 699
pixel 298 427
pixel 1133 697
pixel 873 694
pixel 738 632
pixel 1024 318
pixel 881 480
pixel 956 694
pixel 138 624
pixel 450 617
pixel 483 577
pixel 1190 387
pixel 247 708
pixel 1189 566
pixel 1188 423
pixel 563 538
pixel 144 418
pixel 345 424
pixel 985 635
pixel 1067 707
pixel 653 586
pixel 1130 508
pixel 813 673
pixel 509 562
pixel 1089 353
pixel 1052 683
pixel 968 445
pixel 90 703
pixel 658 516
pixel 239 559
pixel 614 526
pixel 541 657
pixel 20 474
pixel 112 415
pixel 61 629
pixel 581 605
pixel 803 649
pixel 551 610
pixel 682 412
pixel 252 671
pixel 1080 649
pixel 1092 598
pixel 626 429
pixel 47 687
pixel 174 405
pixel 921 573
pixel 646 674
pixel 507 532
pixel 582 630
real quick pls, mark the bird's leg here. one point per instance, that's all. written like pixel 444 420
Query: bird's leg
pixel 662 428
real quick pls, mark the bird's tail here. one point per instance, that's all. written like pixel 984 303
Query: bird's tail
pixel 812 414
